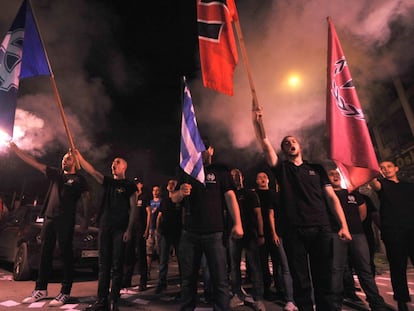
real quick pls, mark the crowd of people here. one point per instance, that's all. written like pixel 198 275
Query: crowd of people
pixel 300 240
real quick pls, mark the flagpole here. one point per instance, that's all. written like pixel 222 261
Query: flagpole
pixel 55 89
pixel 255 103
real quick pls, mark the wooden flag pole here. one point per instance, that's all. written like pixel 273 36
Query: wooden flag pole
pixel 255 103
pixel 55 89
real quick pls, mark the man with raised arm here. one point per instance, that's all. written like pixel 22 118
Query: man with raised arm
pixel 116 220
pixel 305 197
pixel 59 211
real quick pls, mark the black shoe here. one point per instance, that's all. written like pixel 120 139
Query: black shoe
pixel 160 288
pixel 402 306
pixel 99 305
pixel 354 298
pixel 114 306
pixel 142 287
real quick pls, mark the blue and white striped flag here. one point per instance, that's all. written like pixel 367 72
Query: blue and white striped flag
pixel 21 56
pixel 192 145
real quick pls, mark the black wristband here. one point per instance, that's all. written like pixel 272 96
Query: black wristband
pixel 260 236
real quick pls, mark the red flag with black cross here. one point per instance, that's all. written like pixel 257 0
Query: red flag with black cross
pixel 350 143
pixel 218 51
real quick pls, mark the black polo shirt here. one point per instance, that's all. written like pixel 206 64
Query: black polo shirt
pixel 204 207
pixel 302 198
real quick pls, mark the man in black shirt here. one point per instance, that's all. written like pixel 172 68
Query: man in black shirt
pixel 116 220
pixel 252 221
pixel 355 210
pixel 66 188
pixel 203 230
pixel 305 229
pixel 397 227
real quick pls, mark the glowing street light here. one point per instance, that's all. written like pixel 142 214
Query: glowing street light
pixel 294 81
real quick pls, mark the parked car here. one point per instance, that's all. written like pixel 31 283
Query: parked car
pixel 20 241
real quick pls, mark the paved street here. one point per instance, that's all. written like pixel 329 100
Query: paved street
pixel 84 289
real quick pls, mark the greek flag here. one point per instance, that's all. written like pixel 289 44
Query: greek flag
pixel 21 56
pixel 191 143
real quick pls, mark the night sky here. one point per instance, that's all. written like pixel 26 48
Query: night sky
pixel 118 66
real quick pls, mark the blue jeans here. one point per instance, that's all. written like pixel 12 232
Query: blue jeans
pixel 192 246
pixel 358 249
pixel 310 248
pixel 252 255
pixel 165 243
pixel 286 276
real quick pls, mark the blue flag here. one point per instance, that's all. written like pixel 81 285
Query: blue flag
pixel 21 56
pixel 192 145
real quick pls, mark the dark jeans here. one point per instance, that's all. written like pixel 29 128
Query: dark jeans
pixel 310 248
pixel 252 255
pixel 358 249
pixel 135 252
pixel 165 243
pixel 111 259
pixel 192 246
pixel 266 250
pixel 61 229
pixel 399 246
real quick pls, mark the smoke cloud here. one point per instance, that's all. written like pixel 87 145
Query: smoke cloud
pixel 290 37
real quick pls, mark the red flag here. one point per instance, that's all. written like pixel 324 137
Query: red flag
pixel 351 145
pixel 218 52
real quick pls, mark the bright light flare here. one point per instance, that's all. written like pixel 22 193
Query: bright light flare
pixel 4 139
pixel 294 81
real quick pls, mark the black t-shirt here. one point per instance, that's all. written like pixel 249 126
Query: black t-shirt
pixel 350 203
pixel 115 206
pixel 302 201
pixel 268 201
pixel 204 207
pixel 170 222
pixel 64 194
pixel 248 201
pixel 397 204
pixel 143 201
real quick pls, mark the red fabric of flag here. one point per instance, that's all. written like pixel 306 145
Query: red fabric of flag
pixel 350 143
pixel 218 51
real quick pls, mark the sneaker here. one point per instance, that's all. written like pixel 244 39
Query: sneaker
pixel 99 305
pixel 60 300
pixel 236 301
pixel 36 296
pixel 290 306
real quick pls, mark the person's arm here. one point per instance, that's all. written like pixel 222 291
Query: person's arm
pixel 27 158
pixel 132 216
pixel 85 201
pixel 99 177
pixel 260 230
pixel 375 184
pixel 234 210
pixel 179 195
pixel 273 227
pixel 268 150
pixel 148 222
pixel 158 221
pixel 334 202
pixel 362 211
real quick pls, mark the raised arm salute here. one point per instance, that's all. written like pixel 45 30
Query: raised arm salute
pixel 66 188
pixel 304 222
pixel 116 219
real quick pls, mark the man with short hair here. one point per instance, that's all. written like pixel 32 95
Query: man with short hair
pixel 397 227
pixel 355 211
pixel 305 191
pixel 116 220
pixel 203 230
pixel 66 188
